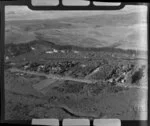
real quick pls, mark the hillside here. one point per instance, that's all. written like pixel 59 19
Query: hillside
pixel 75 64
pixel 127 31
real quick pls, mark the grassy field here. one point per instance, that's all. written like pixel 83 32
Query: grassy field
pixel 35 96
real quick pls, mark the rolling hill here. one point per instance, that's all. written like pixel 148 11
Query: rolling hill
pixel 119 30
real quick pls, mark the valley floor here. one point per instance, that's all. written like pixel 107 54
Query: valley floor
pixel 102 85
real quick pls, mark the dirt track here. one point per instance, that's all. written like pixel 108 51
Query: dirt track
pixel 55 77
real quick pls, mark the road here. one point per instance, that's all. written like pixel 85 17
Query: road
pixel 55 77
pixel 49 77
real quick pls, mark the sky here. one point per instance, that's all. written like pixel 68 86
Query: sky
pixel 24 13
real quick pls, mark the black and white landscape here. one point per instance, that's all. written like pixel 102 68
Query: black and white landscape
pixel 76 64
